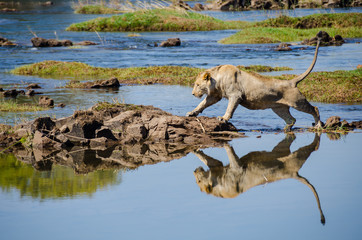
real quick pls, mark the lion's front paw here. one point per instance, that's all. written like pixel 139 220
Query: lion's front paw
pixel 191 114
pixel 221 119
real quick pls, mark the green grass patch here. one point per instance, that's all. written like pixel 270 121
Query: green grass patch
pixel 293 29
pixel 14 106
pixel 332 87
pixel 329 20
pixel 156 20
pixel 134 75
pixel 260 35
pixel 95 9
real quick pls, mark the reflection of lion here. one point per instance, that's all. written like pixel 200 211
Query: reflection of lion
pixel 253 91
pixel 253 169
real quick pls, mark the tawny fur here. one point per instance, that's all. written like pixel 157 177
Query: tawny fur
pixel 253 91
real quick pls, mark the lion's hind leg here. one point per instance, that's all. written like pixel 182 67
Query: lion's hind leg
pixel 305 106
pixel 283 112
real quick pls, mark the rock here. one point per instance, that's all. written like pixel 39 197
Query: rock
pixel 41 141
pixel 41 42
pixel 10 93
pixel 266 5
pixel 105 132
pixel 110 83
pixel 326 40
pixel 33 86
pixel 198 7
pixel 283 47
pixel 61 105
pixel 46 101
pixel 6 42
pixel 333 122
pixel 357 124
pixel 42 124
pixel 171 42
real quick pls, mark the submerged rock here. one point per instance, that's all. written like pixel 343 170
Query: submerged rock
pixel 171 42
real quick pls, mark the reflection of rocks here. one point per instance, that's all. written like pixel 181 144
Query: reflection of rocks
pixel 108 124
pixel 85 160
pixel 253 169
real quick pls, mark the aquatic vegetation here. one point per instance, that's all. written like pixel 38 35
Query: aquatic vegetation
pixel 260 35
pixel 156 20
pixel 292 29
pixel 133 75
pixel 328 20
pixel 14 106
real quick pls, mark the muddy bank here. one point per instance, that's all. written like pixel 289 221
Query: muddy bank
pixel 106 125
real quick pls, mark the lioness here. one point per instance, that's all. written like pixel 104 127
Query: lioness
pixel 253 91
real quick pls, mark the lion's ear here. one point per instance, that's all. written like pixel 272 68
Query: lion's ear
pixel 207 76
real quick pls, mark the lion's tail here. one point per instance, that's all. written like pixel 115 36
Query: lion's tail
pixel 306 73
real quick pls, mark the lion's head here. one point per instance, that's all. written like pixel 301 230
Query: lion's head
pixel 204 84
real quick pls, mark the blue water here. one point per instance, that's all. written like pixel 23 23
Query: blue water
pixel 164 201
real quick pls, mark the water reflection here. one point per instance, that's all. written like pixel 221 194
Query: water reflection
pixel 78 171
pixel 255 168
pixel 60 182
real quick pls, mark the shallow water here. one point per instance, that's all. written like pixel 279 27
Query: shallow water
pixel 164 200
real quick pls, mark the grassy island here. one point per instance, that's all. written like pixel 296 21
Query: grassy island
pixel 14 106
pixel 292 29
pixel 156 20
pixel 329 87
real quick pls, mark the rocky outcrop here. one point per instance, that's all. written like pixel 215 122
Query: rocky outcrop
pixel 171 42
pixel 110 83
pixel 42 42
pixel 326 40
pixel 106 125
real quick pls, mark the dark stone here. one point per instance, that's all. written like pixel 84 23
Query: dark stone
pixel 10 93
pixel 333 122
pixel 61 105
pixel 43 124
pixel 171 42
pixel 198 7
pixel 46 101
pixel 41 42
pixel 110 83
